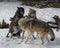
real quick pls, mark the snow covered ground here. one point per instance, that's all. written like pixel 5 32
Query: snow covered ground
pixel 7 10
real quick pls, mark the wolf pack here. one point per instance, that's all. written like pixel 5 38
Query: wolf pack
pixel 31 24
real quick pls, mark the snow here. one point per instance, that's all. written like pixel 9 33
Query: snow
pixel 7 10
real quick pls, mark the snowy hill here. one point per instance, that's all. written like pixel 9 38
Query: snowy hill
pixel 7 10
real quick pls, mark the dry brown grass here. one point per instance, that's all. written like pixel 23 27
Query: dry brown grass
pixel 42 5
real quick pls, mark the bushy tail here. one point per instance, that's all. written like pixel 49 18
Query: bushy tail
pixel 55 25
pixel 52 35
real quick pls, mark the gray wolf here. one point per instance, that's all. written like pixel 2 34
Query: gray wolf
pixel 55 24
pixel 57 21
pixel 40 27
pixel 13 27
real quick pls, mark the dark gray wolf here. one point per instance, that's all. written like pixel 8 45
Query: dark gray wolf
pixel 55 24
pixel 57 20
pixel 40 27
pixel 13 27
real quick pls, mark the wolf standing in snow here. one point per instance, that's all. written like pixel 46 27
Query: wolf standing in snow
pixel 14 28
pixel 40 27
pixel 57 20
pixel 32 15
pixel 56 23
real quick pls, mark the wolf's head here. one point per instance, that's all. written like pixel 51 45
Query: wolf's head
pixel 55 17
pixel 32 13
pixel 21 10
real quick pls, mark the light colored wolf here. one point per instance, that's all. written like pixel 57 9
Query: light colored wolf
pixel 40 27
pixel 32 15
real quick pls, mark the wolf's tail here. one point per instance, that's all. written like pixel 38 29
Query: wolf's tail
pixel 52 35
pixel 55 25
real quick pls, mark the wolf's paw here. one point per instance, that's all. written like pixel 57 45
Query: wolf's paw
pixel 23 43
pixel 42 43
pixel 46 44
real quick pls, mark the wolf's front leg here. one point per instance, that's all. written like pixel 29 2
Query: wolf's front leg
pixel 47 40
pixel 33 36
pixel 23 34
pixel 7 35
pixel 29 34
pixel 42 39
